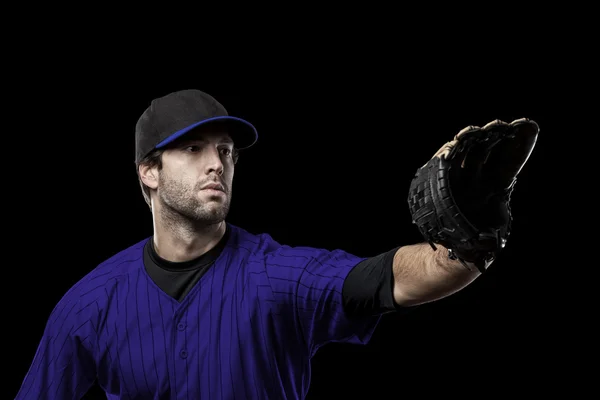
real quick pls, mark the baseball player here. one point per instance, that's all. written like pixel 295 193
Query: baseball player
pixel 204 309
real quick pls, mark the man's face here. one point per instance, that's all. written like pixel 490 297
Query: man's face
pixel 197 174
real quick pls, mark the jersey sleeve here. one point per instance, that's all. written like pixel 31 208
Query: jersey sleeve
pixel 309 283
pixel 63 366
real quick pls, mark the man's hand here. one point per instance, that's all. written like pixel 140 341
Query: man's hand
pixel 460 198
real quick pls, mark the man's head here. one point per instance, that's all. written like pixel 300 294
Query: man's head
pixel 186 149
pixel 193 175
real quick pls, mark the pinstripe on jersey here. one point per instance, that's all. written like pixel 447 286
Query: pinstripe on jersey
pixel 246 331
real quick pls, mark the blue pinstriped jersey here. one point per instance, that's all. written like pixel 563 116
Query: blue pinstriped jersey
pixel 247 330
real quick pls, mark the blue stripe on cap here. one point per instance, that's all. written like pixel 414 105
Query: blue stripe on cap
pixel 181 132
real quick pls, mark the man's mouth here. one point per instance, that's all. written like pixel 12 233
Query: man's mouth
pixel 213 186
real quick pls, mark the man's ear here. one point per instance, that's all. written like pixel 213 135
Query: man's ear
pixel 149 175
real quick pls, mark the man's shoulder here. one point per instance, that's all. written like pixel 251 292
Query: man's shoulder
pixel 93 284
pixel 242 240
pixel 262 246
pixel 129 256
pixel 120 263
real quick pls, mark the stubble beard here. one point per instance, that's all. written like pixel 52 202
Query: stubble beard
pixel 182 202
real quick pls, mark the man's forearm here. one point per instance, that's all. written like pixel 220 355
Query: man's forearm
pixel 422 275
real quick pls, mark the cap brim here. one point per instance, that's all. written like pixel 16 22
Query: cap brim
pixel 242 132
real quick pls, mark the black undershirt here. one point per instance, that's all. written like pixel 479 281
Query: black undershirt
pixel 368 289
pixel 178 278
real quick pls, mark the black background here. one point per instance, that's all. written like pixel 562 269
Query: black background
pixel 339 140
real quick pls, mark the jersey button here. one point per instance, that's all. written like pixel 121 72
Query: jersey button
pixel 183 354
pixel 181 326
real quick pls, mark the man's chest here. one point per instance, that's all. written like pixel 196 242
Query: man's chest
pixel 211 342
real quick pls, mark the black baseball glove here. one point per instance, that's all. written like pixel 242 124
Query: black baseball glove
pixel 460 198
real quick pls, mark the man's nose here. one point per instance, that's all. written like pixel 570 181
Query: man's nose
pixel 213 162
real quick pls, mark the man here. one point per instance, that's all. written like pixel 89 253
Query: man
pixel 206 309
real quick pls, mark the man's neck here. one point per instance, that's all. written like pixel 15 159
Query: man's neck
pixel 178 244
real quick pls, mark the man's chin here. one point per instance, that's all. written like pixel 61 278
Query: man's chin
pixel 212 214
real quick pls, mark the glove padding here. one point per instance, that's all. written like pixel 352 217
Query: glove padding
pixel 460 198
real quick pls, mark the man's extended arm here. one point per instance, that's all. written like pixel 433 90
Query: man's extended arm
pixel 422 275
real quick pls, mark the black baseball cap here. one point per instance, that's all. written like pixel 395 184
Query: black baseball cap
pixel 171 116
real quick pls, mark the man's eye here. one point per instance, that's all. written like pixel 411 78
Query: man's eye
pixel 193 149
pixel 226 151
